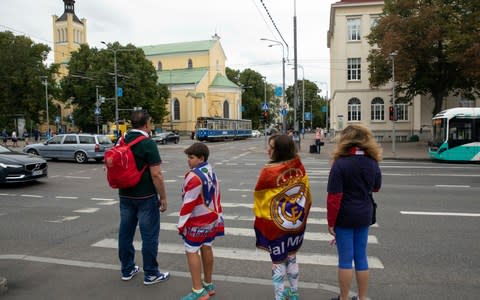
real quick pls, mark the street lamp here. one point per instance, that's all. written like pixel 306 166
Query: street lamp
pixel 45 78
pixel 303 98
pixel 392 57
pixel 116 79
pixel 326 104
pixel 284 120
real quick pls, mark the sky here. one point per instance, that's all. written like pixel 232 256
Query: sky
pixel 241 24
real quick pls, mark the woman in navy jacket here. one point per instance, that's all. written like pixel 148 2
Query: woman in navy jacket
pixel 354 175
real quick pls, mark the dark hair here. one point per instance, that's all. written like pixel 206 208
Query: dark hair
pixel 283 148
pixel 198 149
pixel 139 118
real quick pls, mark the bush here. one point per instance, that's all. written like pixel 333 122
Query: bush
pixel 414 138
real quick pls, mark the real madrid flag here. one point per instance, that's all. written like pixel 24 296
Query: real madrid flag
pixel 282 201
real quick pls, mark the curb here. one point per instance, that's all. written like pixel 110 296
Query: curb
pixel 3 285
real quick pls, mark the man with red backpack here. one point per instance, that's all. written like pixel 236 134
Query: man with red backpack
pixel 140 204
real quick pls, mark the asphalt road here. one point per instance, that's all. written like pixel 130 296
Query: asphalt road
pixel 58 236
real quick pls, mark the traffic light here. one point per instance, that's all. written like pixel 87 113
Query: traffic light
pixel 265 116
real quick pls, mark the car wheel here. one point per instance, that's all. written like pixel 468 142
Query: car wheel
pixel 164 142
pixel 80 157
pixel 32 151
pixel 176 141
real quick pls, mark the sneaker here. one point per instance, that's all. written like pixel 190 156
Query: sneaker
pixel 289 294
pixel 210 288
pixel 203 295
pixel 160 277
pixel 132 273
pixel 354 298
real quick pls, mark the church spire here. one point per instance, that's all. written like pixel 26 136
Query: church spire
pixel 69 6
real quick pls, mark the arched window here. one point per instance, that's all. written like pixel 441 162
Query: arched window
pixel 176 109
pixel 354 109
pixel 226 109
pixel 159 66
pixel 190 63
pixel 59 35
pixel 377 109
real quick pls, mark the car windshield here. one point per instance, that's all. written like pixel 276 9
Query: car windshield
pixel 4 150
pixel 104 140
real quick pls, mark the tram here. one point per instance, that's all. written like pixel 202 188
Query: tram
pixel 216 129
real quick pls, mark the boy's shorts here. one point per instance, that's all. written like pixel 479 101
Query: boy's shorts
pixel 194 249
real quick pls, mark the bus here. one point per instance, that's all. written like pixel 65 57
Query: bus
pixel 456 135
pixel 216 129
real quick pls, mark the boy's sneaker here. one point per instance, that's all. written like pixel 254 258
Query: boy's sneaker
pixel 132 273
pixel 290 295
pixel 203 295
pixel 160 277
pixel 210 288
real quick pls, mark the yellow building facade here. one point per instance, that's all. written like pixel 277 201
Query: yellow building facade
pixel 195 75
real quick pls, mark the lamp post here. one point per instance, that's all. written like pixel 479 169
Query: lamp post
pixel 264 106
pixel 303 97
pixel 45 78
pixel 284 120
pixel 116 84
pixel 326 104
pixel 394 137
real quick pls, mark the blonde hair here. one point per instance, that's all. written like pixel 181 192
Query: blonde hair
pixel 357 135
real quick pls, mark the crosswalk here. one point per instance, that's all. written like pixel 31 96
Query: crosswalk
pixel 243 229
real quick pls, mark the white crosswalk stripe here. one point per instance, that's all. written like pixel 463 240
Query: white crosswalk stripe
pixel 243 254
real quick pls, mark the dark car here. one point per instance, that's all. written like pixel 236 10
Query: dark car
pixel 80 147
pixel 20 167
pixel 166 137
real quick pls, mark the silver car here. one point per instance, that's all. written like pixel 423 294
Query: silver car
pixel 80 147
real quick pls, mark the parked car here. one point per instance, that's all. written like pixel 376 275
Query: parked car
pixel 256 133
pixel 80 147
pixel 166 137
pixel 20 167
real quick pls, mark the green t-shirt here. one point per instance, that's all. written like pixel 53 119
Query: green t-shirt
pixel 146 153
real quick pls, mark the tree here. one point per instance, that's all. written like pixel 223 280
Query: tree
pixel 22 69
pixel 90 67
pixel 312 100
pixel 253 94
pixel 438 44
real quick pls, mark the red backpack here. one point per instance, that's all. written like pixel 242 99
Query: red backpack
pixel 121 167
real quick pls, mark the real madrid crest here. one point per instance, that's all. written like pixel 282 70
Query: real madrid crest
pixel 289 209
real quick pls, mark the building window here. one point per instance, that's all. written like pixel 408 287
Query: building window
pixel 190 63
pixel 378 109
pixel 374 20
pixel 217 64
pixel 354 68
pixel 226 109
pixel 159 66
pixel 402 111
pixel 354 113
pixel 353 26
pixel 176 110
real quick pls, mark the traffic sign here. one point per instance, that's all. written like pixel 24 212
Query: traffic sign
pixel 278 91
pixel 97 110
pixel 265 106
pixel 119 92
pixel 283 111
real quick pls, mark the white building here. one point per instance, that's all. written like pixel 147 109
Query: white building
pixel 352 99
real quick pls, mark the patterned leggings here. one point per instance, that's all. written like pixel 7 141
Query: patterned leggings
pixel 289 268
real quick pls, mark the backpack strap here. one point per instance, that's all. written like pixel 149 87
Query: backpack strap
pixel 137 140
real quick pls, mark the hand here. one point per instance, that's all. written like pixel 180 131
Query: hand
pixel 162 204
pixel 331 230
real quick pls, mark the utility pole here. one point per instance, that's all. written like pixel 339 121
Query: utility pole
pixel 394 137
pixel 45 78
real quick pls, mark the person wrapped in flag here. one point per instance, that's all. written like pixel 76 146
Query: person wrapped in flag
pixel 282 201
pixel 201 219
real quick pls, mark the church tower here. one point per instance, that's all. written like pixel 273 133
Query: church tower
pixel 69 32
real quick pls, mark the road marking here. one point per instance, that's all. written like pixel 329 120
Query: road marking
pixel 249 232
pixel 310 221
pixel 4 194
pixel 240 190
pixel 77 177
pixel 31 196
pixel 216 277
pixel 452 186
pixel 65 197
pixel 87 210
pixel 107 202
pixel 426 213
pixel 102 199
pixel 64 219
pixel 170 180
pixel 253 254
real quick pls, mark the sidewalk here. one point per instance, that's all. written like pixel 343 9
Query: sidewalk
pixel 403 151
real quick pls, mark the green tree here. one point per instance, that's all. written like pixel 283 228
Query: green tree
pixel 313 102
pixel 438 48
pixel 253 94
pixel 22 70
pixel 90 67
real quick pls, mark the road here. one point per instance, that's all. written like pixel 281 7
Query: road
pixel 59 236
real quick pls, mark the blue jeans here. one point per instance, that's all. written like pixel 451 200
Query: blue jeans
pixel 144 212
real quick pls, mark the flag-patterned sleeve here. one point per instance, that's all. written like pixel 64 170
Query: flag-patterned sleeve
pixel 191 195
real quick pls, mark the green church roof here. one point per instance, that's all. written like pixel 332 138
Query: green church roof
pixel 163 49
pixel 181 76
pixel 222 81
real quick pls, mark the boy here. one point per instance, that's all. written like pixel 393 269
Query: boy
pixel 201 219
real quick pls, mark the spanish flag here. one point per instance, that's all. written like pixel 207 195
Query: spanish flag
pixel 282 202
